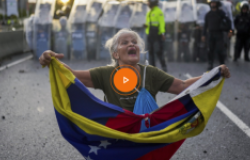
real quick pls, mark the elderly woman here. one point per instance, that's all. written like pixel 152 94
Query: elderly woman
pixel 125 48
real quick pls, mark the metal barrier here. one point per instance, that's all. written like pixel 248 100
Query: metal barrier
pixel 11 43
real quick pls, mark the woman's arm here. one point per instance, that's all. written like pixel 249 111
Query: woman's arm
pixel 179 85
pixel 83 76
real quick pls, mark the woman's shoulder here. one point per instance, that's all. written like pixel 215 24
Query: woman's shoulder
pixel 154 71
pixel 149 67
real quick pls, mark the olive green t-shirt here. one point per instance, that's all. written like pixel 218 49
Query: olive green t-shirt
pixel 156 80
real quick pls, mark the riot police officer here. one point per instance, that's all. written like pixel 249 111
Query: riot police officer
pixel 242 24
pixel 216 23
pixel 155 30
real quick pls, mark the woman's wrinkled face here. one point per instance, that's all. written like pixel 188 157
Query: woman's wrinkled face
pixel 128 51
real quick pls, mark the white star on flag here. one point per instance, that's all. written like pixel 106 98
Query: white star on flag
pixel 88 158
pixel 93 149
pixel 104 144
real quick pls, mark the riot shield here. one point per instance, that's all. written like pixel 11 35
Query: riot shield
pixel 43 26
pixel 107 28
pixel 28 33
pixel 186 12
pixel 94 11
pixel 202 10
pixel 226 6
pixel 186 20
pixel 61 37
pixel 169 11
pixel 200 47
pixel 161 5
pixel 137 21
pixel 123 16
pixel 77 21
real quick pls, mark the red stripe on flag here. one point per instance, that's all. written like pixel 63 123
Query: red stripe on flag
pixel 126 122
pixel 169 111
pixel 164 153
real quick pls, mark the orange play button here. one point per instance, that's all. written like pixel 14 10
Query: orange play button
pixel 125 80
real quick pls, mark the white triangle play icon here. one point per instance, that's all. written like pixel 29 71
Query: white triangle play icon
pixel 125 80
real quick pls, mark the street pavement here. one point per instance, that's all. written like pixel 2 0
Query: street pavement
pixel 29 131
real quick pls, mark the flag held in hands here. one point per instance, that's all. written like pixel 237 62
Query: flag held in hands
pixel 100 130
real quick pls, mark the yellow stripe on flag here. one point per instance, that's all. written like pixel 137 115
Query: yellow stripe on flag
pixel 206 102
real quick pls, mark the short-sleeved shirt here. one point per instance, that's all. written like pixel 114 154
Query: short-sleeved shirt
pixel 156 80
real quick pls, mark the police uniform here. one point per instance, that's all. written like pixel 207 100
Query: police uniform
pixel 242 24
pixel 212 30
pixel 155 29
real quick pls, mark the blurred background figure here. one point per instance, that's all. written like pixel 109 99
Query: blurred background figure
pixel 186 21
pixel 169 10
pixel 200 47
pixel 155 29
pixel 59 13
pixel 136 24
pixel 43 26
pixel 242 25
pixel 226 6
pixel 107 28
pixel 174 29
pixel 123 16
pixel 77 20
pixel 183 42
pixel 216 23
pixel 29 29
pixel 66 10
pixel 61 38
pixel 94 11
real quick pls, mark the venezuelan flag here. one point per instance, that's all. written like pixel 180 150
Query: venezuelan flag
pixel 99 130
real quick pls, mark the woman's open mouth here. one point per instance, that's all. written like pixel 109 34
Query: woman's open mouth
pixel 132 52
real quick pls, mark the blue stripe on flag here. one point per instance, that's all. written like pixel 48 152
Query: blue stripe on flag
pixel 215 77
pixel 188 103
pixel 87 105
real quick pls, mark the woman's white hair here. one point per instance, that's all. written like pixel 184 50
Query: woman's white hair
pixel 113 42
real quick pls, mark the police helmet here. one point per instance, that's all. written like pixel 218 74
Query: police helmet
pixel 217 1
pixel 244 4
pixel 153 2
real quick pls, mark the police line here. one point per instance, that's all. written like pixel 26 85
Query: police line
pixel 84 34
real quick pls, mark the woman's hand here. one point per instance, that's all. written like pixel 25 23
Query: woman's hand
pixel 83 76
pixel 225 71
pixel 45 58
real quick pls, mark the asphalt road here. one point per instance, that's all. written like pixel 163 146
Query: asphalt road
pixel 29 131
